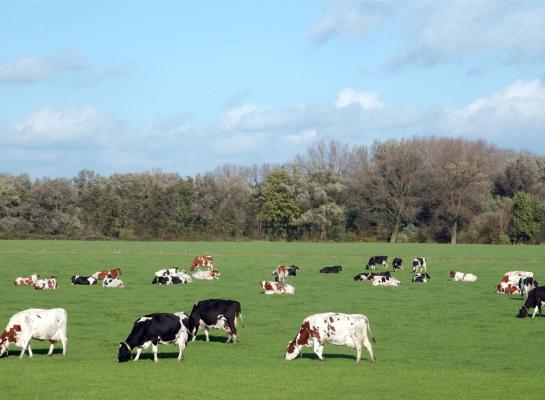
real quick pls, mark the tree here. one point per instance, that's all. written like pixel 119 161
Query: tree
pixel 524 221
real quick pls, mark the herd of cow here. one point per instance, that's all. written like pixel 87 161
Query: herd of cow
pixel 351 330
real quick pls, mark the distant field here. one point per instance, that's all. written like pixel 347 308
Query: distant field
pixel 436 340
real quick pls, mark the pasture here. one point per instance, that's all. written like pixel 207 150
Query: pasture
pixel 442 339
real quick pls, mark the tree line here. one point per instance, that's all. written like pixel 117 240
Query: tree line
pixel 408 190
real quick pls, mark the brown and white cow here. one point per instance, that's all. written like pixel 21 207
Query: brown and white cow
pixel 46 284
pixel 112 273
pixel 507 288
pixel 202 261
pixel 462 277
pixel 270 287
pixel 280 273
pixel 351 330
pixel 513 277
pixel 206 275
pixel 26 280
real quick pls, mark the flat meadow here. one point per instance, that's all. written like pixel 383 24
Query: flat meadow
pixel 442 339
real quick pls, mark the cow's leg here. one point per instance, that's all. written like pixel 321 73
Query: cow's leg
pixel 51 347
pixel 369 347
pixel 319 350
pixel 64 341
pixel 154 349
pixel 358 351
pixel 232 323
pixel 206 334
pixel 29 350
pixel 138 351
pixel 385 265
pixel 195 330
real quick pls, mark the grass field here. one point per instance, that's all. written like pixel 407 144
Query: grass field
pixel 436 340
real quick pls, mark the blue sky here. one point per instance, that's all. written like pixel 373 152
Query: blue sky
pixel 186 87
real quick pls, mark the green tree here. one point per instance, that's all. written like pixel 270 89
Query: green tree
pixel 524 224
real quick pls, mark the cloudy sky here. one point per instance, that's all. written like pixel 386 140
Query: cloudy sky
pixel 185 87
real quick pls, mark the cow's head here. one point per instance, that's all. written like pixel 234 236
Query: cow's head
pixel 7 337
pixel 125 352
pixel 452 274
pixel 293 350
pixel 523 312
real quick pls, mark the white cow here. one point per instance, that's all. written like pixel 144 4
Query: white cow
pixel 462 277
pixel 270 287
pixel 186 278
pixel 379 280
pixel 112 283
pixel 351 330
pixel 35 323
pixel 207 275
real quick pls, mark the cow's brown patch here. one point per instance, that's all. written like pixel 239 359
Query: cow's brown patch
pixel 268 286
pixel 315 333
pixel 291 347
pixel 452 273
pixel 304 333
pixel 10 335
pixel 331 319
pixel 505 278
pixel 330 328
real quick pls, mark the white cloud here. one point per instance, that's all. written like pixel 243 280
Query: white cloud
pixel 304 137
pixel 366 100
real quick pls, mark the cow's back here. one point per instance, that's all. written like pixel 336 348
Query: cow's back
pixel 43 324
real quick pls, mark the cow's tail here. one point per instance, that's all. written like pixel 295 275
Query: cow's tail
pixel 369 333
pixel 239 314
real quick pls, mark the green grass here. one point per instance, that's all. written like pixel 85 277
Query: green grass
pixel 436 340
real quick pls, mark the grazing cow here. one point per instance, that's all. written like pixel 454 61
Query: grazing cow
pixel 397 264
pixel 351 330
pixel 373 261
pixel 202 261
pixel 112 283
pixel 215 313
pixel 331 270
pixel 536 298
pixel 385 281
pixel 421 278
pixel 507 288
pixel 462 277
pixel 35 323
pixel 368 276
pixel 269 287
pixel 207 275
pixel 26 280
pixel 46 284
pixel 112 272
pixel 419 264
pixel 526 285
pixel 83 280
pixel 513 277
pixel 167 272
pixel 152 329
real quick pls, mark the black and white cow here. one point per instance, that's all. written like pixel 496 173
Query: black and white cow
pixel 377 260
pixel 368 276
pixel 421 277
pixel 331 270
pixel 536 298
pixel 419 264
pixel 152 329
pixel 215 313
pixel 397 264
pixel 526 285
pixel 293 270
pixel 167 280
pixel 83 280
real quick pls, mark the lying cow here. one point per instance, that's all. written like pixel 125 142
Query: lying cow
pixel 112 283
pixel 380 260
pixel 35 323
pixel 462 277
pixel 421 278
pixel 46 284
pixel 513 277
pixel 202 261
pixel 207 275
pixel 351 330
pixel 331 270
pixel 385 281
pixel 526 285
pixel 167 280
pixel 26 280
pixel 269 287
pixel 167 272
pixel 507 288
pixel 368 276
pixel 536 298
pixel 215 313
pixel 152 329
pixel 83 280
pixel 419 265
pixel 112 273
pixel 397 264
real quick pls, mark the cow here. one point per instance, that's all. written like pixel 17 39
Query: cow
pixel 397 264
pixel 269 287
pixel 153 329
pixel 351 330
pixel 385 281
pixel 206 275
pixel 462 277
pixel 526 285
pixel 368 276
pixel 280 273
pixel 112 283
pixel 83 280
pixel 215 313
pixel 507 288
pixel 185 278
pixel 167 280
pixel 167 272
pixel 419 264
pixel 373 261
pixel 293 270
pixel 331 270
pixel 112 273
pixel 46 284
pixel 421 278
pixel 202 261
pixel 26 280
pixel 536 298
pixel 513 277
pixel 35 323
